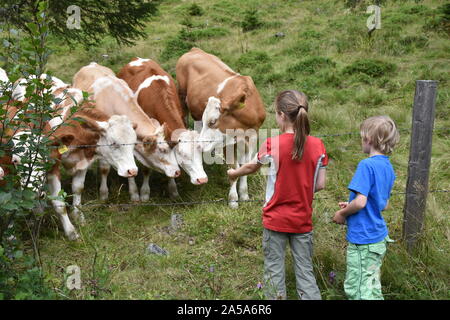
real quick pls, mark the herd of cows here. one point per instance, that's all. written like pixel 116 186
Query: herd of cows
pixel 140 113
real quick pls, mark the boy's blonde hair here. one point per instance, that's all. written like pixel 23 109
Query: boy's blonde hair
pixel 382 132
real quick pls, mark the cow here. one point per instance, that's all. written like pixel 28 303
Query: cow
pixel 111 138
pixel 113 96
pixel 20 86
pixel 223 100
pixel 4 80
pixel 76 145
pixel 157 95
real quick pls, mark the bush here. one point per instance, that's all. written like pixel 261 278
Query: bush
pixel 311 65
pixel 252 58
pixel 310 34
pixel 441 22
pixel 371 67
pixel 177 45
pixel 251 21
pixel 207 33
pixel 195 10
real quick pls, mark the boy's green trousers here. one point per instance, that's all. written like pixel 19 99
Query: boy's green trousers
pixel 362 281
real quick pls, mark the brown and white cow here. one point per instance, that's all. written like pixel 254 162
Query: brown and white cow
pixel 113 96
pixel 157 95
pixel 96 130
pixel 20 86
pixel 4 80
pixel 223 100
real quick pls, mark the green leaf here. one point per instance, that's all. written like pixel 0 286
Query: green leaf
pixel 10 206
pixel 28 194
pixel 5 197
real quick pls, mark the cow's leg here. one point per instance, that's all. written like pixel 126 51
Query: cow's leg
pixel 77 188
pixel 133 190
pixel 145 188
pixel 243 187
pixel 54 185
pixel 233 194
pixel 184 107
pixel 173 190
pixel 104 171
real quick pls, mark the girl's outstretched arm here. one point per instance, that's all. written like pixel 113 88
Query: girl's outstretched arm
pixel 246 169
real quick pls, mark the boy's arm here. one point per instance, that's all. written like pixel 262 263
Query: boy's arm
pixel 387 205
pixel 354 206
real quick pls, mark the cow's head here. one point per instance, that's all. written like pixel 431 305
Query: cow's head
pixel 32 173
pixel 156 153
pixel 210 135
pixel 188 152
pixel 116 143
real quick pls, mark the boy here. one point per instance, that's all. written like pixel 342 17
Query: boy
pixel 370 189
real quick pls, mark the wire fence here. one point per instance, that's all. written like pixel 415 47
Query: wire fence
pixel 221 200
pixel 202 202
pixel 326 135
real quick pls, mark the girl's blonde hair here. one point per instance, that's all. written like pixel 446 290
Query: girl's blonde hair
pixel 294 105
pixel 382 133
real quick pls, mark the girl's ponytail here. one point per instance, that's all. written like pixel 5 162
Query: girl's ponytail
pixel 294 105
pixel 301 130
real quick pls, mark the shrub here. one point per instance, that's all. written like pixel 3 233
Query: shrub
pixel 310 34
pixel 177 45
pixel 207 33
pixel 251 21
pixel 252 58
pixel 371 67
pixel 195 10
pixel 311 65
pixel 440 22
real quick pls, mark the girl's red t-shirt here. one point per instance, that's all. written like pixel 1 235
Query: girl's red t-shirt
pixel 290 183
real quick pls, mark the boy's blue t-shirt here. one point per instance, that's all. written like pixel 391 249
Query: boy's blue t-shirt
pixel 374 178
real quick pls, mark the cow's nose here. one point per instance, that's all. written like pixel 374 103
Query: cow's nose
pixel 132 172
pixel 202 180
pixel 177 173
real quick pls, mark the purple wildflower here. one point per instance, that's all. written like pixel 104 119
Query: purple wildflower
pixel 259 285
pixel 331 277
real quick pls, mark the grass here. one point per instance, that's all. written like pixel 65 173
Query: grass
pixel 348 76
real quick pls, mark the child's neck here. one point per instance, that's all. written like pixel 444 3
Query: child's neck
pixel 288 129
pixel 374 152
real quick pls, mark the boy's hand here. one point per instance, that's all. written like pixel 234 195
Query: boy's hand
pixel 339 218
pixel 342 205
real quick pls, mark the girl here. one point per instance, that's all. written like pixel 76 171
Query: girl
pixel 297 170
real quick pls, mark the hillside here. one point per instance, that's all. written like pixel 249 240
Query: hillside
pixel 322 48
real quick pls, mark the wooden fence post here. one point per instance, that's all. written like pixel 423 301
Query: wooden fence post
pixel 419 161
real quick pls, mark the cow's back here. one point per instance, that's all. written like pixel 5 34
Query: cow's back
pixel 87 75
pixel 157 97
pixel 198 75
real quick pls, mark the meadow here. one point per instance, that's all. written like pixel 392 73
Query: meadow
pixel 321 48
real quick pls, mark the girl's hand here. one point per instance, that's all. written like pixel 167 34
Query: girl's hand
pixel 232 174
pixel 342 205
pixel 338 218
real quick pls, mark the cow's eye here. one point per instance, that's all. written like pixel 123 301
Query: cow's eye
pixel 164 150
pixel 212 122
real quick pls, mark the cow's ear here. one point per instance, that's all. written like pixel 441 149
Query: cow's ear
pixel 96 126
pixel 149 143
pixel 67 139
